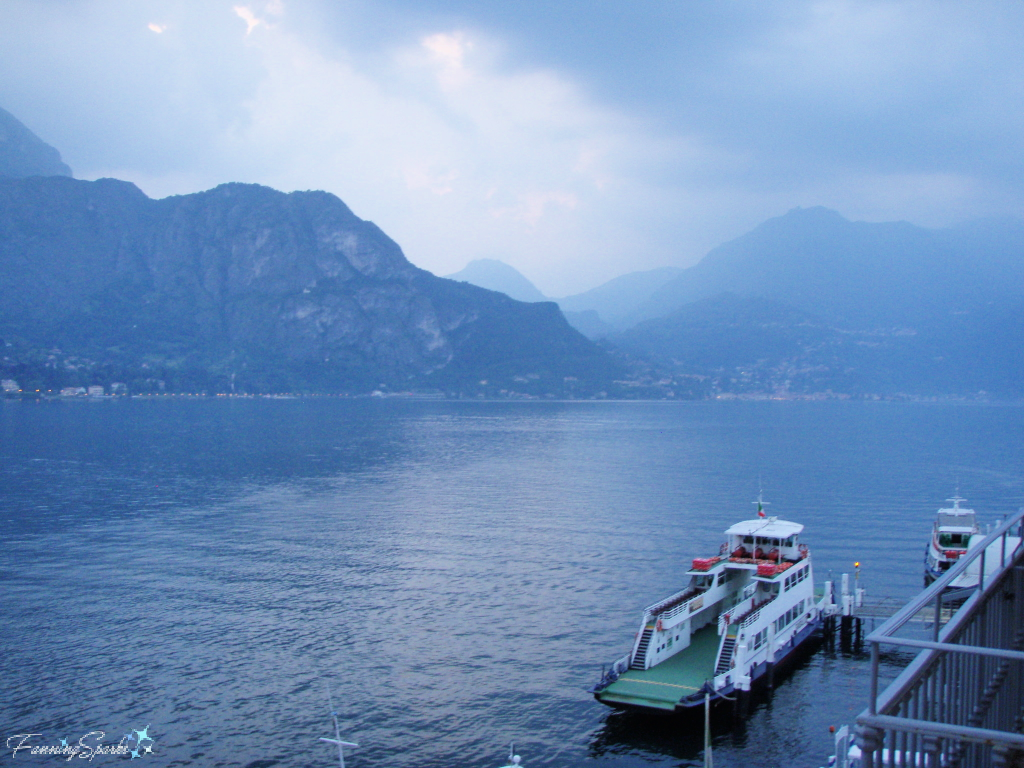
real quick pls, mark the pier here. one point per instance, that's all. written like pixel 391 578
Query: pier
pixel 960 703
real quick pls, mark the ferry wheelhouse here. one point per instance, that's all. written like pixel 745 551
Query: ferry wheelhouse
pixel 741 612
pixel 951 536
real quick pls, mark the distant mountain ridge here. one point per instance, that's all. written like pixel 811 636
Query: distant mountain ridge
pixel 617 300
pixel 812 302
pixel 496 275
pixel 595 313
pixel 22 153
pixel 246 287
pixel 857 274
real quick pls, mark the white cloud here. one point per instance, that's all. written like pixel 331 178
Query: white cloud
pixel 245 14
pixel 452 155
pixel 459 148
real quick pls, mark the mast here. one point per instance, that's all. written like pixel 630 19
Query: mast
pixel 337 732
pixel 761 503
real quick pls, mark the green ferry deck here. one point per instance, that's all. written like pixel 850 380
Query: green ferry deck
pixel 662 686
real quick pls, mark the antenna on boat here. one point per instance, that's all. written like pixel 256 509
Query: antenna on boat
pixel 957 498
pixel 337 732
pixel 513 758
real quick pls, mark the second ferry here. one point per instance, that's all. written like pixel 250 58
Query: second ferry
pixel 742 612
pixel 954 529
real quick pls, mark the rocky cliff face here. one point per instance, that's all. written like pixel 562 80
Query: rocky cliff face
pixel 22 153
pixel 246 284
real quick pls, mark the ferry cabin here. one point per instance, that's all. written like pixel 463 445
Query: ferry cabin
pixel 740 612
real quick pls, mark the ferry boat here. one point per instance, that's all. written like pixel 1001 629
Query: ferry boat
pixel 741 613
pixel 951 537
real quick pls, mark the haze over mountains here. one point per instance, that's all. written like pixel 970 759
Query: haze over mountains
pixel 596 313
pixel 811 302
pixel 496 275
pixel 243 288
pixel 22 153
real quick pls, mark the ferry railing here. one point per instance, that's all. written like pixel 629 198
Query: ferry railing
pixel 665 609
pixel 961 701
pixel 751 618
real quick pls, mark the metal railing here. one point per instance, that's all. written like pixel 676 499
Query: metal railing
pixel 672 606
pixel 750 618
pixel 961 701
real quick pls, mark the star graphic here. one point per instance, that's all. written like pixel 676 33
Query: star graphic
pixel 143 734
pixel 149 749
pixel 63 742
pixel 135 753
pixel 127 737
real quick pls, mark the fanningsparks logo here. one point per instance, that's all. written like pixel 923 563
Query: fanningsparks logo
pixel 136 743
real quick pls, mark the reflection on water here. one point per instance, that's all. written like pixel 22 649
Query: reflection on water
pixel 459 571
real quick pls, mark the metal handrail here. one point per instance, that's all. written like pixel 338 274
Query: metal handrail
pixel 944 730
pixel 902 616
pixel 901 710
pixel 934 594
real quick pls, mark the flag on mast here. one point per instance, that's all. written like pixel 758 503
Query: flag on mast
pixel 760 510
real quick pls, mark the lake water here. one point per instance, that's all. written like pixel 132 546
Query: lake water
pixel 458 571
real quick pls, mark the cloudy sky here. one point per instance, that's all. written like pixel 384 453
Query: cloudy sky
pixel 574 140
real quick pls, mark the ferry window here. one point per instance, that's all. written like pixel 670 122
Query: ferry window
pixel 721 578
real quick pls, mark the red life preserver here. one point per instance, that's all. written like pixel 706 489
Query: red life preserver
pixel 660 628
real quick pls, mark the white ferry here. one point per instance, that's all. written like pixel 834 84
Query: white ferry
pixel 951 536
pixel 741 613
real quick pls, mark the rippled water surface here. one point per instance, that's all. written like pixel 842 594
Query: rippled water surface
pixel 458 571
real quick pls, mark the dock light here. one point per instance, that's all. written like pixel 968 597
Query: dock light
pixel 856 565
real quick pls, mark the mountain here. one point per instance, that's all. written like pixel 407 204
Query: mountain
pixel 498 276
pixel 619 298
pixel 810 302
pixel 744 345
pixel 22 153
pixel 589 323
pixel 246 288
pixel 857 274
pixel 751 345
